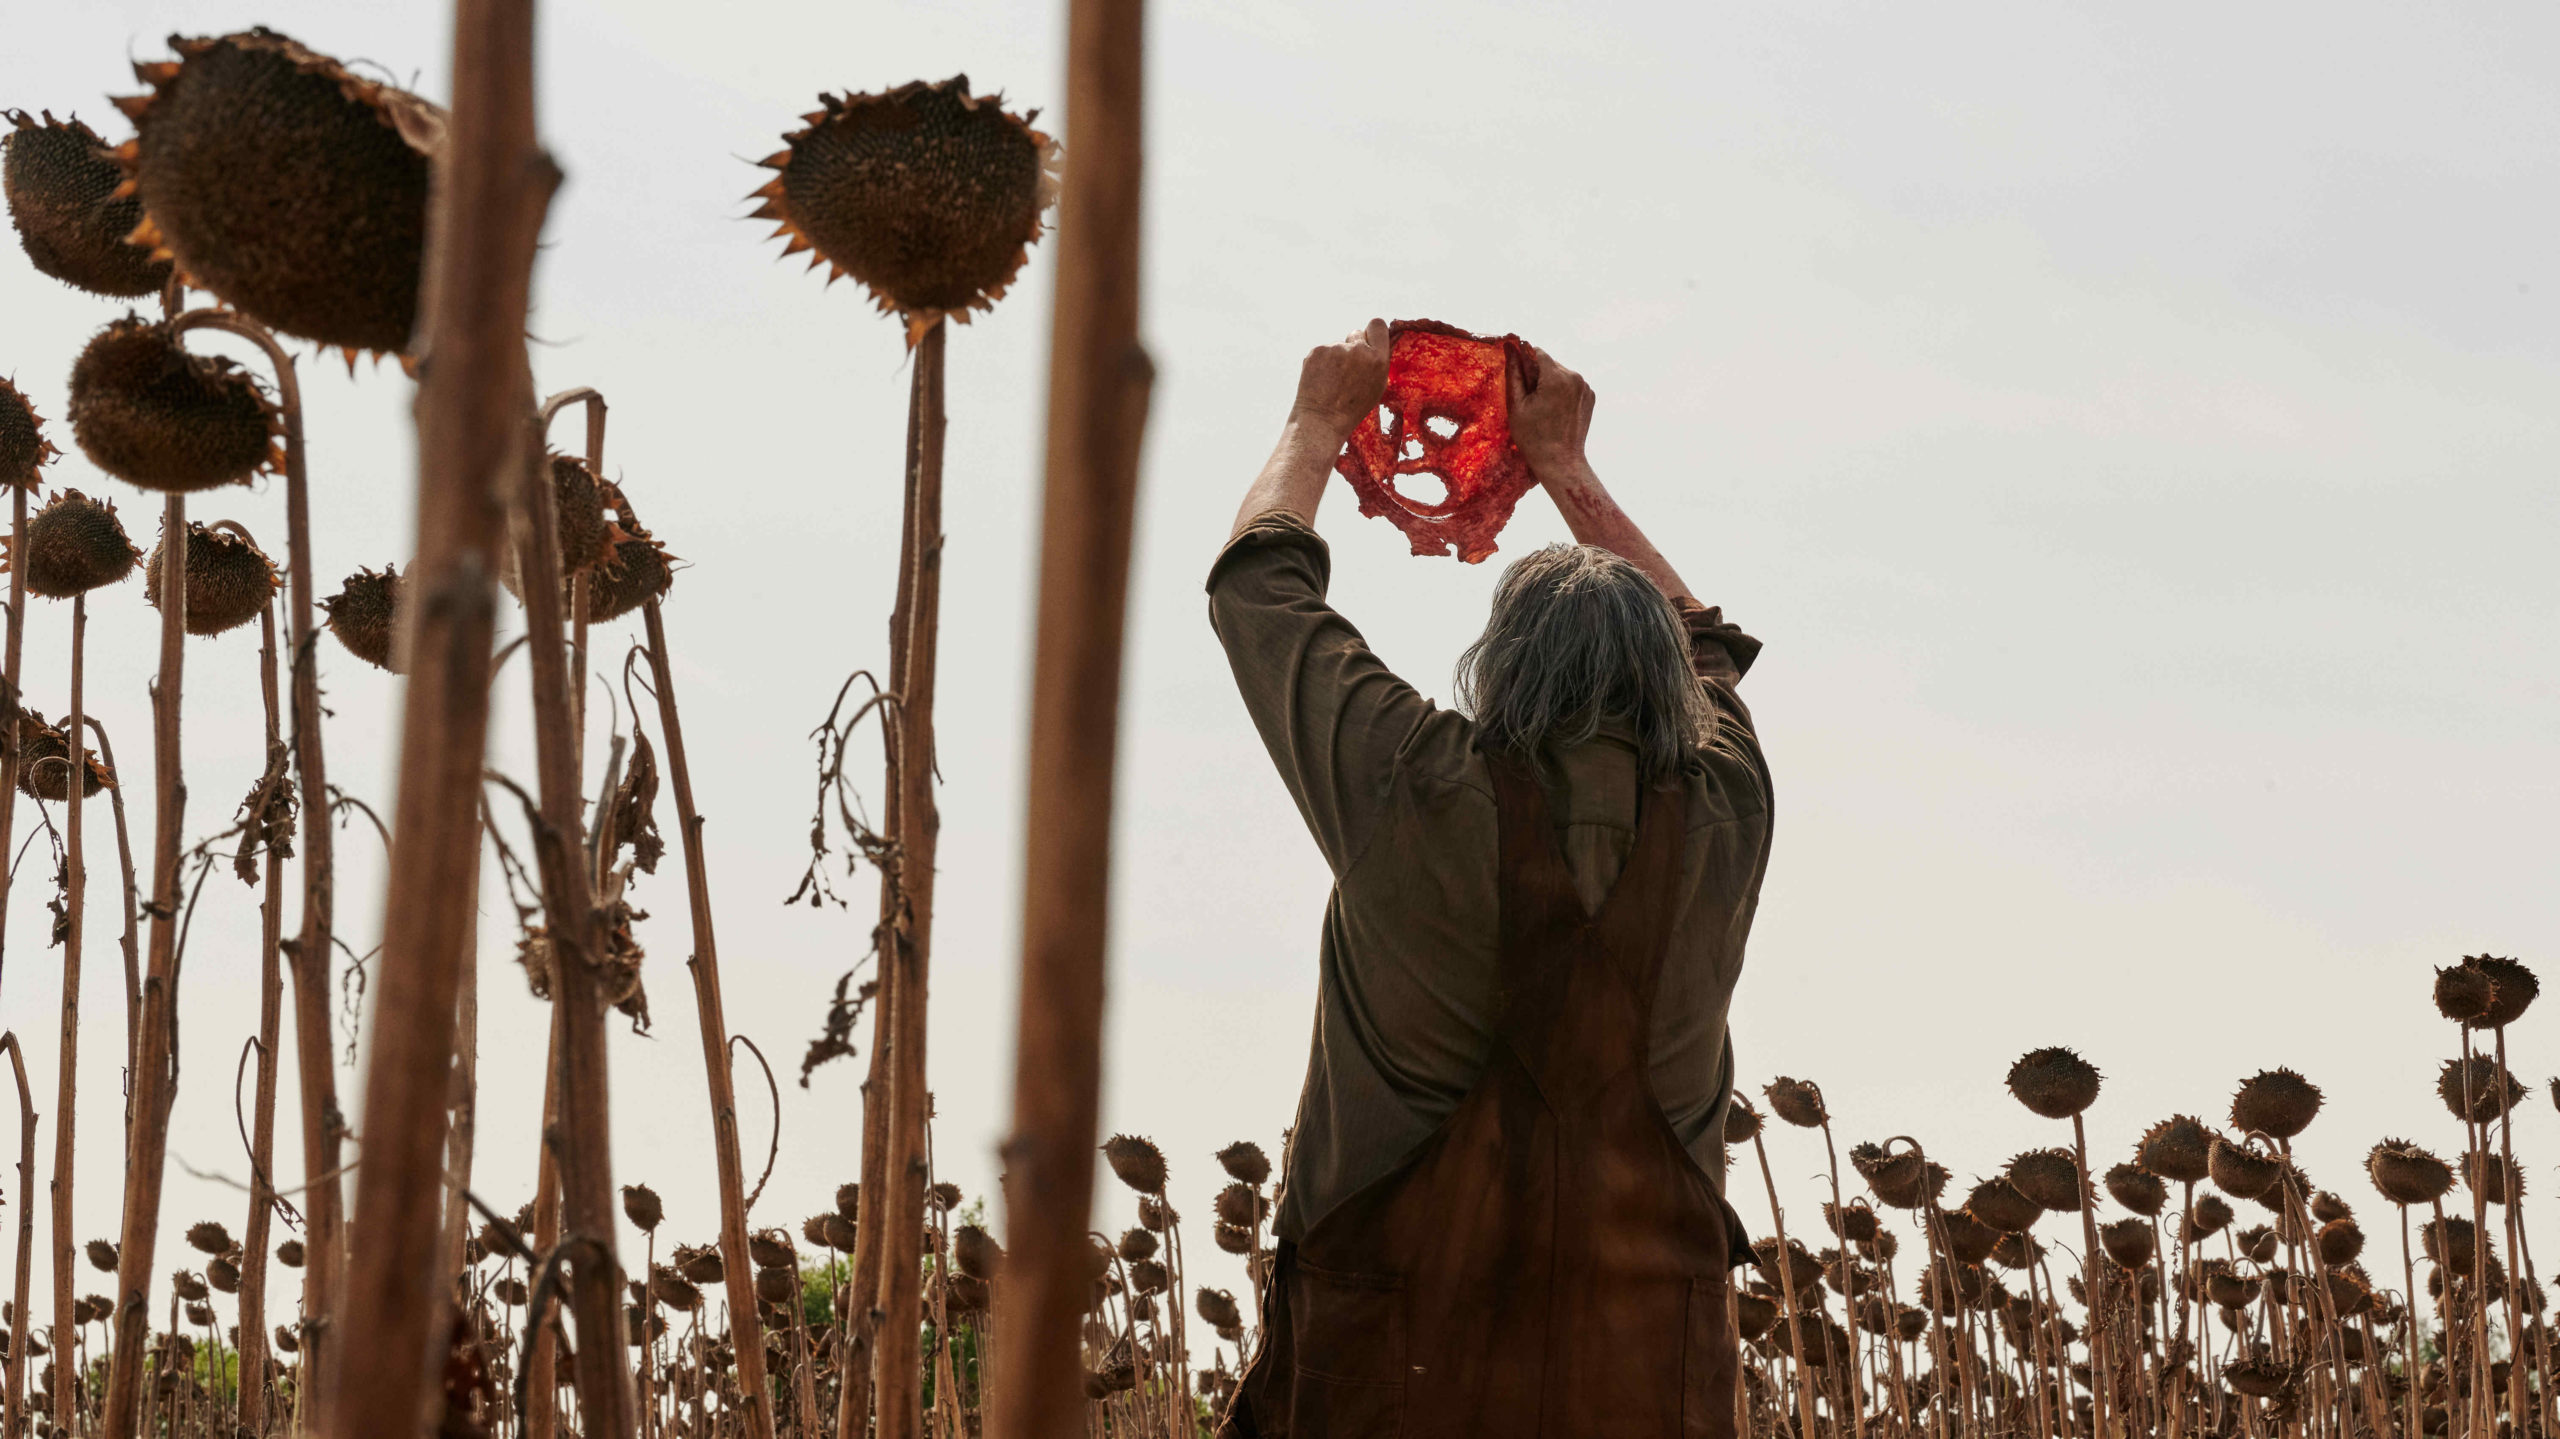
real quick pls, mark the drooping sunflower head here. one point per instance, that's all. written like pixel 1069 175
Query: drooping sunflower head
pixel 74 545
pixel 147 411
pixel 23 446
pixel 638 570
pixel 928 195
pixel 229 580
pixel 290 187
pixel 62 182
pixel 364 615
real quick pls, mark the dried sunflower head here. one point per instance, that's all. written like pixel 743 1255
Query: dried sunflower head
pixel 2476 1088
pixel 2464 993
pixel 2178 1148
pixel 640 1205
pixel 2495 1178
pixel 2050 1177
pixel 147 411
pixel 74 545
pixel 1137 1162
pixel 1245 1162
pixel 2241 1171
pixel 1968 1240
pixel 2055 1083
pixel 2000 1204
pixel 2339 1242
pixel 638 570
pixel 2512 989
pixel 62 180
pixel 44 763
pixel 1742 1122
pixel 2137 1189
pixel 2212 1216
pixel 23 447
pixel 2275 1102
pixel 1797 1101
pixel 1903 1179
pixel 365 616
pixel 293 189
pixel 771 1248
pixel 229 580
pixel 929 196
pixel 976 1252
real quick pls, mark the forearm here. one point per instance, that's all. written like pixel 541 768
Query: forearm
pixel 1295 476
pixel 1595 519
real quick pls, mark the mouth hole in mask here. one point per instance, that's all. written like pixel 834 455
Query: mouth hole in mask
pixel 1422 488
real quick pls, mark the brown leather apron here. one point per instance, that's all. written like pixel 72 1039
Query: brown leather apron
pixel 1551 1263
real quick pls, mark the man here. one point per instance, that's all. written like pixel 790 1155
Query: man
pixel 1501 1212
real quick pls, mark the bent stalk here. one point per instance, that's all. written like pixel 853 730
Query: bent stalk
pixel 705 967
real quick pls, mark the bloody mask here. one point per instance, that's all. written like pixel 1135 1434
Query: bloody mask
pixel 1446 416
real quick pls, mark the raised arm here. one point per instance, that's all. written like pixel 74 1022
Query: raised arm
pixel 1550 428
pixel 1337 386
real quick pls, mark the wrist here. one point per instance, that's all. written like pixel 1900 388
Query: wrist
pixel 1559 467
pixel 1320 426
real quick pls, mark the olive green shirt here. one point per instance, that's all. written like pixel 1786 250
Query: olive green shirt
pixel 1398 799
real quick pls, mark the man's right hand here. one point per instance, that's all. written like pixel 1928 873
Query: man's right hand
pixel 1338 385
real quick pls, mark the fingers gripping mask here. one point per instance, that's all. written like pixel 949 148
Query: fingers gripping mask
pixel 1444 425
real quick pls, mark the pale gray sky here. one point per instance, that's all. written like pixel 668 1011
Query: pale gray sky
pixel 2131 432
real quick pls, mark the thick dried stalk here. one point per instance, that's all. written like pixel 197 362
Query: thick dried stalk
pixel 262 1145
pixel 13 1417
pixel 475 443
pixel 75 865
pixel 900 1372
pixel 705 968
pixel 1099 379
pixel 155 1077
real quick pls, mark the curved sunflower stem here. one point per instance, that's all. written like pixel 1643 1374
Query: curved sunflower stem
pixel 323 1124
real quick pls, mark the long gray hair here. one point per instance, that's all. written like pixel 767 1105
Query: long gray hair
pixel 1579 637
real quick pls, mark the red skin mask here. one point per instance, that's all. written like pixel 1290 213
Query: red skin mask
pixel 1447 413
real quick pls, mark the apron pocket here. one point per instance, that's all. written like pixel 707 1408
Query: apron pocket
pixel 1710 1363
pixel 1350 1354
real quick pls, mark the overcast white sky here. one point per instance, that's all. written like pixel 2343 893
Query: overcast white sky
pixel 2131 431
